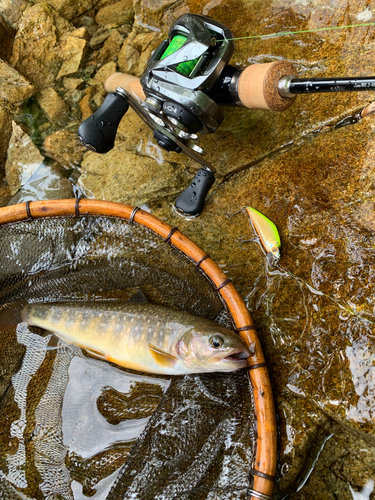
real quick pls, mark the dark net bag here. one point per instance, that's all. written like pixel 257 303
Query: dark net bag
pixel 200 437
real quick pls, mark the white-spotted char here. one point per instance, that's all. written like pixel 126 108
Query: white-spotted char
pixel 142 337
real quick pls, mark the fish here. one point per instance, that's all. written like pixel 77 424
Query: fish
pixel 142 336
pixel 267 231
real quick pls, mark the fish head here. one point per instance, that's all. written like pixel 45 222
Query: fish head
pixel 218 350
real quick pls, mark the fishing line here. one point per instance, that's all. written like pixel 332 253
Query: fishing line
pixel 283 33
pixel 318 292
pixel 310 287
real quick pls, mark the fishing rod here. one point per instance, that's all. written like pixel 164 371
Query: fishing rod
pixel 186 81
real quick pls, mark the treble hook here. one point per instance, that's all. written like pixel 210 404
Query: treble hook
pixel 229 215
pixel 241 240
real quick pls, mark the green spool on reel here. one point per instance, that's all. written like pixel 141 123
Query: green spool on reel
pixel 177 42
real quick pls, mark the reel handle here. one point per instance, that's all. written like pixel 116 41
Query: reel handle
pixel 99 130
pixel 190 202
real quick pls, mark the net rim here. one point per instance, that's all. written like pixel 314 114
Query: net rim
pixel 264 467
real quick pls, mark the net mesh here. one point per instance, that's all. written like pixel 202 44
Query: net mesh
pixel 73 427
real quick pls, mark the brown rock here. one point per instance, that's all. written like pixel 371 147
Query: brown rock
pixel 64 147
pixel 111 48
pixel 156 13
pixel 23 160
pixel 5 196
pixel 72 52
pixel 12 10
pixel 14 88
pixel 105 71
pixel 136 51
pixel 73 83
pixel 116 14
pixel 49 182
pixel 84 103
pixel 6 36
pixel 100 36
pixel 6 132
pixel 80 33
pixel 89 23
pixel 71 9
pixel 36 50
pixel 53 106
pixel 129 178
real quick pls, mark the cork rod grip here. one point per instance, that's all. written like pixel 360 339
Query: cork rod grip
pixel 258 86
pixel 130 83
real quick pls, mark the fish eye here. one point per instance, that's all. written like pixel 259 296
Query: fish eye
pixel 216 341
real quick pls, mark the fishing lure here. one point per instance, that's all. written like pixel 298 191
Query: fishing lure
pixel 267 231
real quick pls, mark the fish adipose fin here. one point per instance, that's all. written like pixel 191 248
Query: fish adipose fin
pixel 162 358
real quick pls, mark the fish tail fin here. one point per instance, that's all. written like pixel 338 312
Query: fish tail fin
pixel 12 314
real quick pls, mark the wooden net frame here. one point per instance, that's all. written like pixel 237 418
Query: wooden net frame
pixel 264 467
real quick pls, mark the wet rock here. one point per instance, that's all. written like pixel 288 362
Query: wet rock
pixel 100 36
pixel 133 177
pixel 73 83
pixel 84 103
pixel 155 15
pixel 12 10
pixel 116 14
pixel 72 99
pixel 23 159
pixel 52 105
pixel 5 195
pixel 105 71
pixel 71 9
pixel 345 460
pixel 136 51
pixel 6 132
pixel 89 24
pixel 36 51
pixel 14 88
pixel 111 47
pixel 6 36
pixel 64 147
pixel 48 182
pixel 73 51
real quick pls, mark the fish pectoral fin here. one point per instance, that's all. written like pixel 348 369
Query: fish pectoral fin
pixel 96 354
pixel 162 358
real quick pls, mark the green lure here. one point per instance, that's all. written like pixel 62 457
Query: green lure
pixel 267 231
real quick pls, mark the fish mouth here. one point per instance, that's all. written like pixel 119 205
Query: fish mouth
pixel 237 356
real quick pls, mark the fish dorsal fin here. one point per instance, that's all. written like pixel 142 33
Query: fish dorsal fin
pixel 162 358
pixel 139 298
pixel 96 354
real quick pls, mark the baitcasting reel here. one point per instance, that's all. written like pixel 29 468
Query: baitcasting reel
pixel 175 89
pixel 179 93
